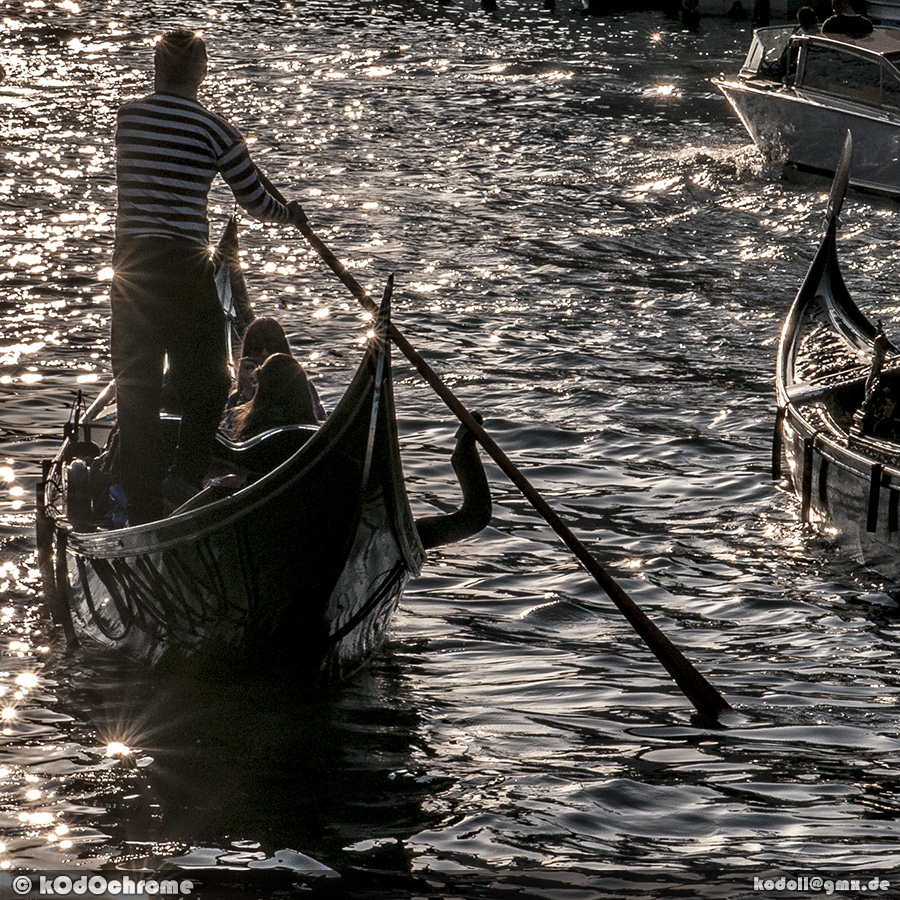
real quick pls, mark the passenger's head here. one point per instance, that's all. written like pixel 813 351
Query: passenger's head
pixel 282 382
pixel 263 337
pixel 180 61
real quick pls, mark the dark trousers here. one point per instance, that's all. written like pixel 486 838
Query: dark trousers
pixel 164 303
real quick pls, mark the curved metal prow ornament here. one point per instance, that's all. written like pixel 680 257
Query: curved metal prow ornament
pixel 839 185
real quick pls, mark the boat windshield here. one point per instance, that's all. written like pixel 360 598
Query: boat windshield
pixel 860 78
pixel 764 59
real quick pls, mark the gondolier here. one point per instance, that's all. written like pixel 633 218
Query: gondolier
pixel 169 149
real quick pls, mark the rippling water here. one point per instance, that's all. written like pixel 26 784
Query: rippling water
pixel 593 257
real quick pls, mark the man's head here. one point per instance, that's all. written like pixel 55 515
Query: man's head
pixel 180 62
pixel 806 17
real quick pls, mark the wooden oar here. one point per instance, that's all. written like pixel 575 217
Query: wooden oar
pixel 706 699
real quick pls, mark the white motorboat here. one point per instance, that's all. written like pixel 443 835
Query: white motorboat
pixel 798 95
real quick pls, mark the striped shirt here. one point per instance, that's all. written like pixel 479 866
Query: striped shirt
pixel 168 151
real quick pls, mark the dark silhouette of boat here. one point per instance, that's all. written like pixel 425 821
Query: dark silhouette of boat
pixel 297 560
pixel 838 421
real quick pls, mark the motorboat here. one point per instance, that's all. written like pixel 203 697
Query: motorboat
pixel 798 94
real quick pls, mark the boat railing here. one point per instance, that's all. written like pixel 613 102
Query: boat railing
pixel 265 451
pixel 305 432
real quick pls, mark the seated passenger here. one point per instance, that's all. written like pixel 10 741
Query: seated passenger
pixel 846 21
pixel 807 23
pixel 263 337
pixel 282 397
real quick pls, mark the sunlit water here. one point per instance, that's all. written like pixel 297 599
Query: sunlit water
pixel 589 252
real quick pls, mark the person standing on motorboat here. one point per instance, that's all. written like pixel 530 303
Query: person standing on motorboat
pixel 169 149
pixel 807 21
pixel 846 21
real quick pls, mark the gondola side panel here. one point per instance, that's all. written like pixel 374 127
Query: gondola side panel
pixel 229 590
pixel 386 552
pixel 852 499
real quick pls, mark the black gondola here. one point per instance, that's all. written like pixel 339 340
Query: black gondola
pixel 299 567
pixel 838 421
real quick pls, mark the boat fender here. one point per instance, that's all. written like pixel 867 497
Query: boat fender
pixel 874 498
pixel 777 446
pixel 44 535
pixel 824 465
pixel 62 610
pixel 475 512
pixel 78 494
pixel 806 480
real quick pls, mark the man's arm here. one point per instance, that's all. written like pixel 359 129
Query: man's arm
pixel 250 191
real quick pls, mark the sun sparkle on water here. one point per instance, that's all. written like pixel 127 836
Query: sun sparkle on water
pixel 117 748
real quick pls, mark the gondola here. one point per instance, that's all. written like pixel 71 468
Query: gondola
pixel 295 560
pixel 838 426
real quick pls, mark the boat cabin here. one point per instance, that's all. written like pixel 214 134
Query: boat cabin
pixel 859 70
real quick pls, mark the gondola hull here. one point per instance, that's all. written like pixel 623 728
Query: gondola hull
pixel 850 495
pixel 300 570
pixel 845 472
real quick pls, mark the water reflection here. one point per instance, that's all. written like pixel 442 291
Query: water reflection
pixel 175 767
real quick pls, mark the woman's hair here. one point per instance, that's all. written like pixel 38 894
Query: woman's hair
pixel 282 397
pixel 263 337
pixel 180 59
